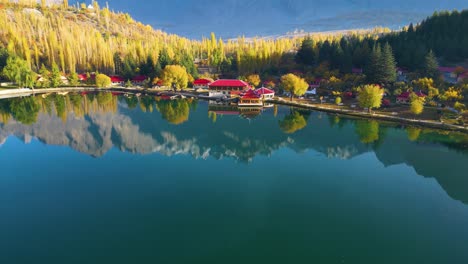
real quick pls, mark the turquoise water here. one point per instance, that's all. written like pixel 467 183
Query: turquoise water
pixel 109 179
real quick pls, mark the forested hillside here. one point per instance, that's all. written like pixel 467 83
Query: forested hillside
pixel 88 39
pixel 83 39
pixel 445 33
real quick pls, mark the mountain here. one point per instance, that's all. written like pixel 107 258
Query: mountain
pixel 232 18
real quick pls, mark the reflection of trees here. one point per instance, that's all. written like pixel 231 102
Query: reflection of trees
pixel 146 104
pixel 367 130
pixel 104 98
pixel 132 101
pixel 293 122
pixel 175 112
pixel 413 133
pixel 60 105
pixel 25 110
pixel 4 111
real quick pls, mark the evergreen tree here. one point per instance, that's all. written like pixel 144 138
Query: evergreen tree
pixel 45 76
pixel 55 76
pixel 73 79
pixel 306 54
pixel 431 66
pixel 373 69
pixel 388 64
pixel 164 58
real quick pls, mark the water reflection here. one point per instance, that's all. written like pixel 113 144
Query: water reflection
pixel 94 123
pixel 293 122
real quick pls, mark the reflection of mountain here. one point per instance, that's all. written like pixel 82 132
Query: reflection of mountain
pixel 94 129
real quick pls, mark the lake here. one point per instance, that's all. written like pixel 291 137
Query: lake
pixel 107 178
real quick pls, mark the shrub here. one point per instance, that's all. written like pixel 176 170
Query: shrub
pixel 103 81
pixel 338 100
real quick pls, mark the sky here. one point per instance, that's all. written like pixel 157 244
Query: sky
pixel 232 18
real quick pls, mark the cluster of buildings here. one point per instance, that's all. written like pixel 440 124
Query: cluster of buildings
pixel 232 88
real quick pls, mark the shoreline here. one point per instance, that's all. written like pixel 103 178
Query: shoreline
pixel 12 93
pixel 365 115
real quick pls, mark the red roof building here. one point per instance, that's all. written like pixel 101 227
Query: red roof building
pixel 250 98
pixel 265 93
pixel 228 84
pixel 404 97
pixel 117 80
pixel 139 79
pixel 447 69
pixel 316 83
pixel 82 77
pixel 227 88
pixel 463 76
pixel 357 70
pixel 201 83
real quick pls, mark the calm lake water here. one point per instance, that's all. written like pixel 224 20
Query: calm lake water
pixel 113 179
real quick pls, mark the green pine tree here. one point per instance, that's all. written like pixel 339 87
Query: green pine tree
pixel 388 63
pixel 55 75
pixel 431 66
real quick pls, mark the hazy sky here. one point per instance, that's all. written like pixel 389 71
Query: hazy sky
pixel 230 18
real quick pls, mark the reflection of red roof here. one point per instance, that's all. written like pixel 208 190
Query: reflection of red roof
pixel 202 82
pixel 251 94
pixel 356 70
pixel 139 78
pixel 117 79
pixel 229 83
pixel 264 90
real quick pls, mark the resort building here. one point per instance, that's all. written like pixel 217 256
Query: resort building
pixel 250 98
pixel 265 93
pixel 404 97
pixel 139 80
pixel 117 80
pixel 201 83
pixel 448 73
pixel 227 88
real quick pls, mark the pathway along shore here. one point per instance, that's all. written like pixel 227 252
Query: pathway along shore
pixel 12 93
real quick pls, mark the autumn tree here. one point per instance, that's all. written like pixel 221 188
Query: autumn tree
pixel 175 76
pixel 426 85
pixel 294 84
pixel 416 104
pixel 370 96
pixel 103 81
pixel 18 71
pixel 254 79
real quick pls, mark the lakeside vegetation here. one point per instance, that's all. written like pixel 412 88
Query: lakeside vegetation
pixel 43 44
